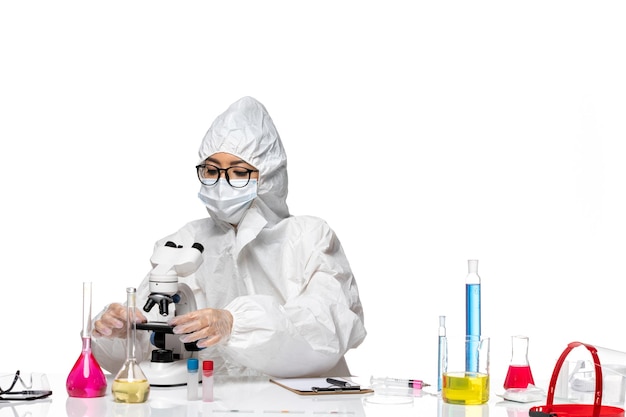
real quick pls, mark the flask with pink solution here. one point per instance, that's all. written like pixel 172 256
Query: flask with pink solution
pixel 86 379
pixel 519 374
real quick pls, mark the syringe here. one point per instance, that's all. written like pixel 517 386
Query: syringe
pixel 397 382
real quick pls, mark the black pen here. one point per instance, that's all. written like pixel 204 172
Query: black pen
pixel 336 389
pixel 338 382
pixel 339 385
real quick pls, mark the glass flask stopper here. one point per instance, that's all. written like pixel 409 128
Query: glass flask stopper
pixel 519 374
pixel 86 379
pixel 130 384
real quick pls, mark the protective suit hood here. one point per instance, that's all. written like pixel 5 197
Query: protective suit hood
pixel 247 131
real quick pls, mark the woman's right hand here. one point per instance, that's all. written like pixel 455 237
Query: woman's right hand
pixel 112 323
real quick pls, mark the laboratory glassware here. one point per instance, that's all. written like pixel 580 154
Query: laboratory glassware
pixel 472 316
pixel 519 374
pixel 130 384
pixel 464 387
pixel 442 353
pixel 86 379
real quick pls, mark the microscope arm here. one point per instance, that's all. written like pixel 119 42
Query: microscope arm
pixel 187 301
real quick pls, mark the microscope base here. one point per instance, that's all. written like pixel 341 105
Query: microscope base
pixel 168 374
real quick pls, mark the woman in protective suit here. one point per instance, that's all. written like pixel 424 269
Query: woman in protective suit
pixel 281 298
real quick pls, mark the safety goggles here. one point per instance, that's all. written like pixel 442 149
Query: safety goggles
pixel 8 384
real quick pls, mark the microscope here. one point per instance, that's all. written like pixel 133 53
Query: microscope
pixel 168 364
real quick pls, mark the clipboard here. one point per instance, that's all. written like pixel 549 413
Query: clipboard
pixel 306 386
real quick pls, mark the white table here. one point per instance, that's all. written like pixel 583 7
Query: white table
pixel 253 397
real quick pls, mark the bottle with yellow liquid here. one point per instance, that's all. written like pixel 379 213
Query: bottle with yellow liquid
pixel 130 384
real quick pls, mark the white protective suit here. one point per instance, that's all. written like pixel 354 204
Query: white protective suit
pixel 285 279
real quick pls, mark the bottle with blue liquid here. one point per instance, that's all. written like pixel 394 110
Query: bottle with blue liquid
pixel 472 316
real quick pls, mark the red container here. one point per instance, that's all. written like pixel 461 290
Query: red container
pixel 576 410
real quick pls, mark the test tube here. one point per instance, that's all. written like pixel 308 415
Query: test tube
pixel 192 379
pixel 207 381
pixel 442 355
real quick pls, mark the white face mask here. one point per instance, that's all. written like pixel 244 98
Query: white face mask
pixel 228 203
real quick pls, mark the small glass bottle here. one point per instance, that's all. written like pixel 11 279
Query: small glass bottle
pixel 86 379
pixel 519 374
pixel 130 384
pixel 207 381
pixel 192 379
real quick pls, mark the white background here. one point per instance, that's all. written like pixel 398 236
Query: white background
pixel 425 133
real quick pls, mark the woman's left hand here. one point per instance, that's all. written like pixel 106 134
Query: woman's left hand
pixel 208 326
